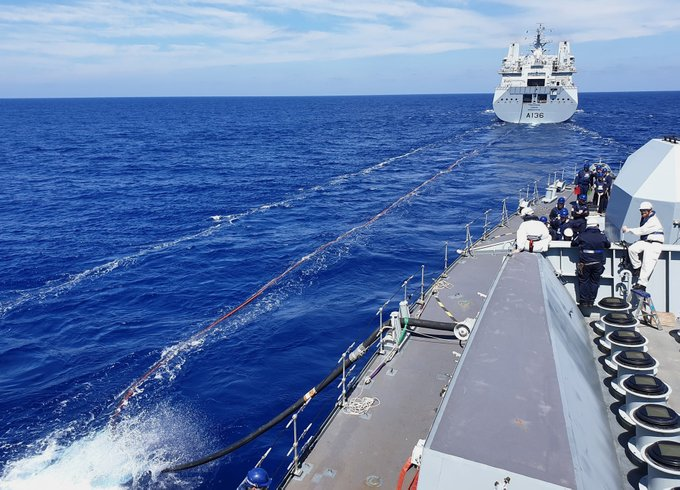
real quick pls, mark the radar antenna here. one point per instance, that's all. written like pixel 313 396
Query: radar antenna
pixel 538 41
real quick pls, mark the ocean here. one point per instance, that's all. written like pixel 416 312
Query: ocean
pixel 228 251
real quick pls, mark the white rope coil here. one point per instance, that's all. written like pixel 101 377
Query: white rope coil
pixel 360 405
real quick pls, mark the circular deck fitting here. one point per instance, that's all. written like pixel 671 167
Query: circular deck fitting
pixel 646 385
pixel 613 303
pixel 635 359
pixel 665 454
pixel 630 362
pixel 629 338
pixel 663 465
pixel 623 322
pixel 654 423
pixel 620 340
pixel 642 389
pixel 619 319
pixel 657 416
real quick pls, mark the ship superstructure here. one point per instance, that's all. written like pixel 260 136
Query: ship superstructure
pixel 536 88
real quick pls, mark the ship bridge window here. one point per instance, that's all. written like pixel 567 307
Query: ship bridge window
pixel 526 98
pixel 543 98
pixel 536 82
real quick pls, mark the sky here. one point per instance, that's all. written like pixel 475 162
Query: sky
pixel 120 48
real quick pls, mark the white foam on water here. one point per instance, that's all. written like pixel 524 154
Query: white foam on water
pixel 55 288
pixel 131 453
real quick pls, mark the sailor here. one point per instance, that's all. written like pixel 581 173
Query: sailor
pixel 582 180
pixel 559 224
pixel 257 478
pixel 532 235
pixel 651 240
pixel 601 191
pixel 591 243
pixel 579 213
pixel 555 212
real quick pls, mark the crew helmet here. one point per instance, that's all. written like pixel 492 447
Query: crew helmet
pixel 561 200
pixel 645 205
pixel 258 478
pixel 568 232
pixel 582 197
pixel 527 211
pixel 585 167
pixel 564 213
pixel 543 219
pixel 592 221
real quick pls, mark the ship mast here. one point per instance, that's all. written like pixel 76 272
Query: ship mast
pixel 538 43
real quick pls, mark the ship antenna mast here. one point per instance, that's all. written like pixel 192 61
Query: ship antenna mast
pixel 539 42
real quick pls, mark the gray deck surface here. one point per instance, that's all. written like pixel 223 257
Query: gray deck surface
pixel 370 450
pixel 409 389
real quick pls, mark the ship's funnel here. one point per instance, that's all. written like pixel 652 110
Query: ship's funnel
pixel 651 174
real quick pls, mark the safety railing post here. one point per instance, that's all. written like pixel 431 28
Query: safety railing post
pixel 485 235
pixel 295 464
pixel 535 199
pixel 343 382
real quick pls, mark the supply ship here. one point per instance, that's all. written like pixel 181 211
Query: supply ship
pixel 494 377
pixel 536 88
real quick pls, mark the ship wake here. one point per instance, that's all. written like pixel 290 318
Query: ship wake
pixel 129 454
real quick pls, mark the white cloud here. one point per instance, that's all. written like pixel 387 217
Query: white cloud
pixel 102 37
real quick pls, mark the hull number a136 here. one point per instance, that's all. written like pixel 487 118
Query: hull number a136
pixel 534 115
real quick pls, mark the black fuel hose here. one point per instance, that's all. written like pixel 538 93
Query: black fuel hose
pixel 353 357
pixel 416 322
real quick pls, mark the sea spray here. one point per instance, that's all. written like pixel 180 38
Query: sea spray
pixel 129 454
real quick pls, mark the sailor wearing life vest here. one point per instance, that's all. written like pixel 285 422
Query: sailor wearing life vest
pixel 601 190
pixel 591 243
pixel 532 234
pixel 651 240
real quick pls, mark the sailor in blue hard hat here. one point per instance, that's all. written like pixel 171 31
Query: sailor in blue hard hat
pixel 562 226
pixel 257 478
pixel 555 212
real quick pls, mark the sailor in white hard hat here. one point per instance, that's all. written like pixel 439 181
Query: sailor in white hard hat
pixel 532 234
pixel 651 240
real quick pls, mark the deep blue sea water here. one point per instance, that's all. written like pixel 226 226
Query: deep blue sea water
pixel 127 225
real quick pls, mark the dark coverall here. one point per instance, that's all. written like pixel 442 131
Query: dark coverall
pixel 579 212
pixel 591 243
pixel 582 180
pixel 601 195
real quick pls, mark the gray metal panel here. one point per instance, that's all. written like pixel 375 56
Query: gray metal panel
pixel 525 399
pixel 592 443
pixel 504 407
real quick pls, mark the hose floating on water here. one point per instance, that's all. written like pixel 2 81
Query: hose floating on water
pixel 351 359
pixel 355 355
pixel 170 354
